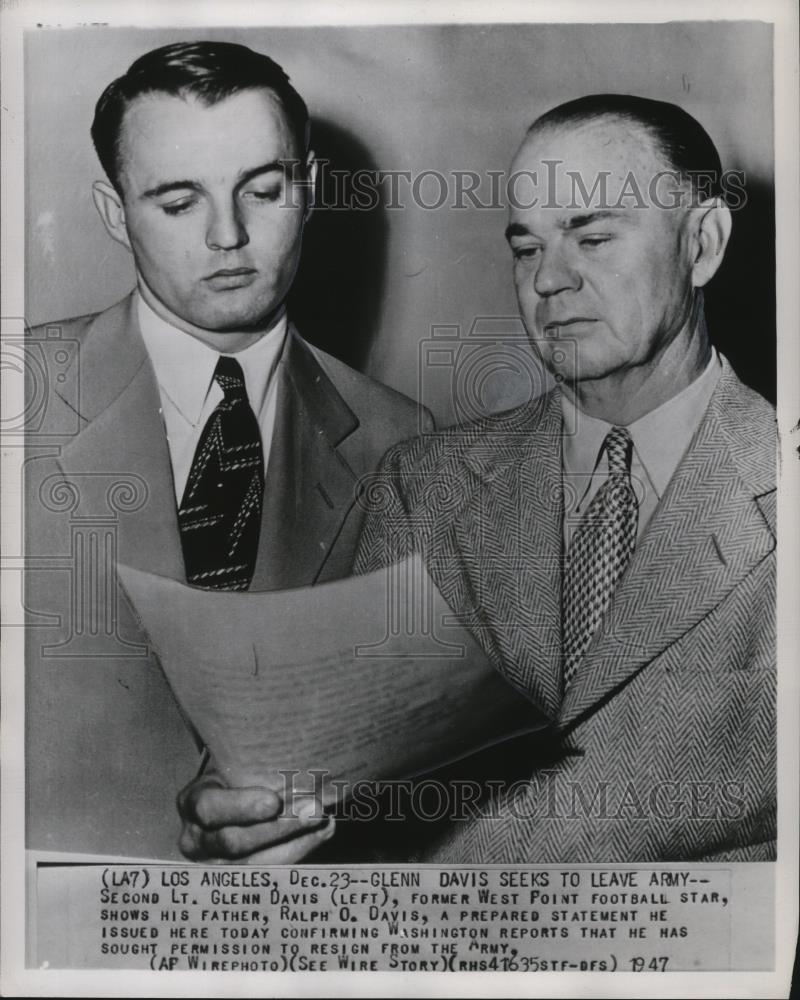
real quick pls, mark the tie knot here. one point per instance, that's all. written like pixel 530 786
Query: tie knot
pixel 619 448
pixel 229 376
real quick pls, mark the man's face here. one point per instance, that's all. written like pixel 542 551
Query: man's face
pixel 211 212
pixel 613 284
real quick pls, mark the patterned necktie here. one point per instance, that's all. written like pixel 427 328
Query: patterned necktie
pixel 220 513
pixel 600 551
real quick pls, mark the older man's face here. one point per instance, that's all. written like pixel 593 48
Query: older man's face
pixel 213 220
pixel 612 284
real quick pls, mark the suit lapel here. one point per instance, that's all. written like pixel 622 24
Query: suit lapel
pixel 515 527
pixel 122 440
pixel 119 461
pixel 310 488
pixel 709 531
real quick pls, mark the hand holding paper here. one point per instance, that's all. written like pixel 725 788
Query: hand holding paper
pixel 251 824
pixel 364 678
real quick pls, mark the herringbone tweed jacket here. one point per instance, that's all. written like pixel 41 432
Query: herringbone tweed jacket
pixel 663 747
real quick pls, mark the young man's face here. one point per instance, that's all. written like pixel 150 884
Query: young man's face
pixel 614 284
pixel 212 214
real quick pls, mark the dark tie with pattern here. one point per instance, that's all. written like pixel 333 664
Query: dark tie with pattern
pixel 220 513
pixel 599 552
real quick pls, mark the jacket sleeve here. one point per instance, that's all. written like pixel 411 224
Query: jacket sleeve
pixel 387 535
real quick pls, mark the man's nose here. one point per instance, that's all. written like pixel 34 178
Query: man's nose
pixel 226 230
pixel 555 273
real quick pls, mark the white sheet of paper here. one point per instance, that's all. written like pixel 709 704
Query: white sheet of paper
pixel 364 678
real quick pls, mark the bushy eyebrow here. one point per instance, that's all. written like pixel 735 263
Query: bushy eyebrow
pixel 265 168
pixel 579 221
pixel 166 188
pixel 517 229
pixel 573 222
pixel 188 185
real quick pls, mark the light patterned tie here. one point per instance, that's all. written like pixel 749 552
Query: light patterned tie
pixel 220 513
pixel 600 551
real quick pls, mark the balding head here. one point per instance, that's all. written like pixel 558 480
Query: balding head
pixel 611 240
pixel 681 143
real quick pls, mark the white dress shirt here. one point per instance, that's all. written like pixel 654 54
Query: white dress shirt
pixel 184 368
pixel 660 439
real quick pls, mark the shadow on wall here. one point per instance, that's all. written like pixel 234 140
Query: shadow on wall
pixel 740 301
pixel 337 293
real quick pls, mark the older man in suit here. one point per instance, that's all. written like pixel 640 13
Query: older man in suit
pixel 190 432
pixel 612 544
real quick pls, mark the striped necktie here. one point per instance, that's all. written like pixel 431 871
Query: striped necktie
pixel 600 551
pixel 220 513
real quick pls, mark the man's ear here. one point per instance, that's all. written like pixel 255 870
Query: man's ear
pixel 713 228
pixel 311 184
pixel 109 205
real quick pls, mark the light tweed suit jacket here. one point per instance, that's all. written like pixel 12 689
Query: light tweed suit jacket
pixel 663 747
pixel 106 747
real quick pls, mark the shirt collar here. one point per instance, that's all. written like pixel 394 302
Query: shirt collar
pixel 660 437
pixel 184 365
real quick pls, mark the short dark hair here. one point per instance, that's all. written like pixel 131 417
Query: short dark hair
pixel 210 71
pixel 679 138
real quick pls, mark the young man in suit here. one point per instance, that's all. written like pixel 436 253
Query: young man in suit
pixel 191 432
pixel 612 544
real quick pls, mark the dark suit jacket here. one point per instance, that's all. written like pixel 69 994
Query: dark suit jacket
pixel 107 750
pixel 663 747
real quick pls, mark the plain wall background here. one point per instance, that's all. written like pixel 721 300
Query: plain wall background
pixel 446 98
